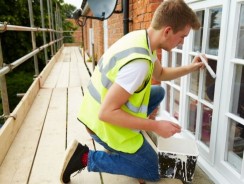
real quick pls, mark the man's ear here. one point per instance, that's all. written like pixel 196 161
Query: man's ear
pixel 167 30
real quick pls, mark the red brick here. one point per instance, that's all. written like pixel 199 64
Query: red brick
pixel 142 10
pixel 143 25
pixel 140 18
pixel 147 17
pixel 136 26
pixel 152 7
pixel 147 24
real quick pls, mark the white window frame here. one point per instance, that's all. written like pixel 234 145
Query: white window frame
pixel 226 115
pixel 209 152
pixel 172 85
pixel 208 155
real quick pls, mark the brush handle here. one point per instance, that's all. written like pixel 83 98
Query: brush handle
pixel 207 66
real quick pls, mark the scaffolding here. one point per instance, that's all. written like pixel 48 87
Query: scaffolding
pixel 55 42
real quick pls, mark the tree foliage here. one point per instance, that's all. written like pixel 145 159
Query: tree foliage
pixel 68 10
pixel 16 44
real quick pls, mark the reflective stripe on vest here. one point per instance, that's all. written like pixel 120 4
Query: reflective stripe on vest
pixel 121 55
pixel 107 83
pixel 94 93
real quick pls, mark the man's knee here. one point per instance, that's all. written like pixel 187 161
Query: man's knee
pixel 162 92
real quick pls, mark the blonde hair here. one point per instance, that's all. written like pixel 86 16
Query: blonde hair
pixel 176 14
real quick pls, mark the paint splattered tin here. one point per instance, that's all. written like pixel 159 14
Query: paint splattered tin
pixel 177 158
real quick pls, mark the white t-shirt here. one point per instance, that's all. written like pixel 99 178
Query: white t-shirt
pixel 131 76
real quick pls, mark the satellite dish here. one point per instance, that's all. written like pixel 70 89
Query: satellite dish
pixel 102 9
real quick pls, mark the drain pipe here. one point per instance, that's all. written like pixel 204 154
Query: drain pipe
pixel 126 19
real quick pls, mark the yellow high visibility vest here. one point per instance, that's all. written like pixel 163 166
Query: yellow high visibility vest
pixel 130 47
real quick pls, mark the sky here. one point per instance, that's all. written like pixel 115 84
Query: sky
pixel 76 3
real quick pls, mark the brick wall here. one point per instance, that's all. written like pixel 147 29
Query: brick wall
pixel 142 12
pixel 115 26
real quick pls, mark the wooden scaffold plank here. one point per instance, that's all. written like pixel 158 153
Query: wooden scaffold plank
pixel 74 78
pixel 52 143
pixel 53 76
pixel 18 162
pixel 83 72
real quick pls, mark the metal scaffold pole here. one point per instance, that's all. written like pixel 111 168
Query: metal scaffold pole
pixel 57 25
pixel 3 85
pixel 43 33
pixel 49 23
pixel 60 26
pixel 33 37
pixel 52 23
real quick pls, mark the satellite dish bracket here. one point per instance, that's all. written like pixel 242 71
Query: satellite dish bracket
pixel 91 17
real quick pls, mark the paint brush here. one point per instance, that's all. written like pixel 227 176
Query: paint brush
pixel 206 64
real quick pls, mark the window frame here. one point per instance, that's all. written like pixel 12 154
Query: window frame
pixel 231 62
pixel 208 153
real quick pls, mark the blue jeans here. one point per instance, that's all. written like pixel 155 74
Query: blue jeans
pixel 156 96
pixel 142 164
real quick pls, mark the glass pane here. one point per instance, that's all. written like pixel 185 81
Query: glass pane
pixel 240 38
pixel 238 91
pixel 194 81
pixel 209 86
pixel 206 124
pixel 178 63
pixel 197 41
pixel 168 88
pixel 212 46
pixel 235 145
pixel 179 47
pixel 176 104
pixel 192 115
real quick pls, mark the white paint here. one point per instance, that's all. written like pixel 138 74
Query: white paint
pixel 178 149
pixel 181 146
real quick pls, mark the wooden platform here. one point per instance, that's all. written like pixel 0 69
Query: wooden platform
pixel 33 141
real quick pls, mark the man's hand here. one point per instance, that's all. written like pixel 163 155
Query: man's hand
pixel 197 63
pixel 167 128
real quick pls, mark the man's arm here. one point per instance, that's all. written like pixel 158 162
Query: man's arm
pixel 111 112
pixel 165 73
